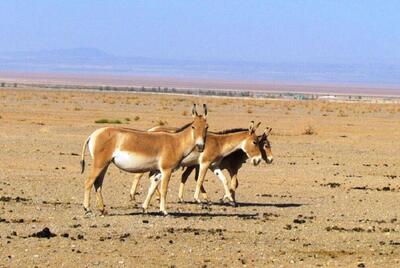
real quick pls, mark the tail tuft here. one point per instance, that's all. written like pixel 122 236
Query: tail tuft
pixel 82 166
pixel 83 154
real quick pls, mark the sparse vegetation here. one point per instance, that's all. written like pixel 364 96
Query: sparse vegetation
pixel 127 119
pixel 108 121
pixel 162 123
pixel 136 118
pixel 342 114
pixel 309 130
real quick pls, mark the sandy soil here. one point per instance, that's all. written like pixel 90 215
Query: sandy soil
pixel 329 199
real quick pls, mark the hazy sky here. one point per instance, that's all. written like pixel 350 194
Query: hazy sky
pixel 267 31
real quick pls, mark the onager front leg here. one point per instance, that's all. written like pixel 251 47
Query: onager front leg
pixel 166 175
pixel 217 171
pixel 203 170
pixel 234 182
pixel 184 178
pixel 154 182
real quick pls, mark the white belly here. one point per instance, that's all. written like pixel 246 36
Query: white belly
pixel 132 162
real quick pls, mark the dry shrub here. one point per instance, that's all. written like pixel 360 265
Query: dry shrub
pixel 108 121
pixel 342 114
pixel 309 130
pixel 162 123
pixel 136 118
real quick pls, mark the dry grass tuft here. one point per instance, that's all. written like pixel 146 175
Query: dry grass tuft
pixel 162 123
pixel 108 121
pixel 309 130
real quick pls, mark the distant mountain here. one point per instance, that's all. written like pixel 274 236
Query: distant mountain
pixel 92 60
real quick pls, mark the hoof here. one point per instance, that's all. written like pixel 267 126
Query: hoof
pixel 132 197
pixel 87 211
pixel 144 210
pixel 103 212
pixel 181 201
pixel 164 212
pixel 228 198
pixel 233 204
pixel 205 206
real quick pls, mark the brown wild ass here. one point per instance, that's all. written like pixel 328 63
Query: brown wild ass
pixel 218 145
pixel 232 163
pixel 141 151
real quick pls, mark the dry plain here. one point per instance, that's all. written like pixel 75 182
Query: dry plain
pixel 330 198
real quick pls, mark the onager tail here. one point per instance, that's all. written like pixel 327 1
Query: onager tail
pixel 83 155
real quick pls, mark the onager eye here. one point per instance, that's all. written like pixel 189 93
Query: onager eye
pixel 254 142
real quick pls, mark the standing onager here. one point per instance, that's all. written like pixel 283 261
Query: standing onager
pixel 232 163
pixel 218 145
pixel 141 151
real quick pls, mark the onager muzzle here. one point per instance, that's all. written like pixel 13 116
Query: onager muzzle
pixel 200 130
pixel 256 160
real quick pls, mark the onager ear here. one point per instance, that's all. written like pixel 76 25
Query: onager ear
pixel 251 127
pixel 205 110
pixel 255 128
pixel 194 112
pixel 267 131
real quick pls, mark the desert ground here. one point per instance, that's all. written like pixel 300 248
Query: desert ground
pixel 330 198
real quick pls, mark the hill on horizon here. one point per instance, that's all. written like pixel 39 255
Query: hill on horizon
pixel 93 60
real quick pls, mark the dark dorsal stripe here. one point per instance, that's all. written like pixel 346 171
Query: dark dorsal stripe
pixel 232 130
pixel 184 127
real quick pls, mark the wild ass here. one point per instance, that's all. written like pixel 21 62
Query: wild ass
pixel 141 151
pixel 218 145
pixel 232 163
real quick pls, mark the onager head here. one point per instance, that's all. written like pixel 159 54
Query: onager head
pixel 251 145
pixel 265 146
pixel 199 127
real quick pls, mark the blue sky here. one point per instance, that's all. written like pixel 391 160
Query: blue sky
pixel 266 31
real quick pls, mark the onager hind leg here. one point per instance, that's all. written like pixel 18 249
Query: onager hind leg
pixel 203 170
pixel 98 185
pixel 184 178
pixel 97 171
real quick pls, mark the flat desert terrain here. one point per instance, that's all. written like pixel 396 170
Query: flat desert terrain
pixel 330 198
